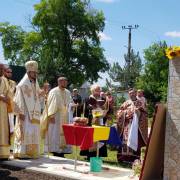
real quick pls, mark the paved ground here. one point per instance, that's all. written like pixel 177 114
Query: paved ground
pixel 15 173
pixel 58 168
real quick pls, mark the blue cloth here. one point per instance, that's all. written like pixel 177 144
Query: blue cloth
pixel 114 138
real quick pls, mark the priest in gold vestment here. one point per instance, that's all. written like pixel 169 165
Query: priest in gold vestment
pixel 28 111
pixel 12 88
pixel 54 116
pixel 4 123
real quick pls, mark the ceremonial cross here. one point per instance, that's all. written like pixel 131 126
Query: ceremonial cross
pixel 27 91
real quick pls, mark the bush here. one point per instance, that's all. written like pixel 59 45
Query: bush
pixel 137 165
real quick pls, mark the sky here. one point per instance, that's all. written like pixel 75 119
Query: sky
pixel 158 20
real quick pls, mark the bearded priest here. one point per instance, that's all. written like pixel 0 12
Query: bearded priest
pixel 28 110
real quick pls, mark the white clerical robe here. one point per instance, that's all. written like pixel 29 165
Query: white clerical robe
pixel 27 132
pixel 57 106
pixel 4 124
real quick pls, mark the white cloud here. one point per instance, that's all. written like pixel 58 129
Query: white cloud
pixel 104 37
pixel 106 1
pixel 173 34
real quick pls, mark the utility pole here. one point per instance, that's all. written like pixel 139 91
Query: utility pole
pixel 128 61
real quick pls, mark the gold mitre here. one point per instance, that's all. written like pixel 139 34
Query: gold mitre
pixel 31 66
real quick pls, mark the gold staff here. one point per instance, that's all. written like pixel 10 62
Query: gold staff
pixel 46 107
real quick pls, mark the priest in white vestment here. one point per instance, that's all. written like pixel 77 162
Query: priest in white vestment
pixel 28 111
pixel 54 116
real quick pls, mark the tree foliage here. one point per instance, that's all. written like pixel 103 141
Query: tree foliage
pixel 127 75
pixel 154 80
pixel 65 40
pixel 12 42
pixel 70 31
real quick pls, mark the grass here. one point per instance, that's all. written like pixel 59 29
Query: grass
pixel 110 160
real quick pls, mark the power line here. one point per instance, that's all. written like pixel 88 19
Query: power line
pixel 129 27
pixel 128 60
pixel 118 23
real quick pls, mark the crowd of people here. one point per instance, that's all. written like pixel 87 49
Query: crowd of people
pixel 29 113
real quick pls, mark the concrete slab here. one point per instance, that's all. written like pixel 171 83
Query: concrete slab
pixel 60 167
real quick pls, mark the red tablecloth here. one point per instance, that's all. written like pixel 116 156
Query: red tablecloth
pixel 79 135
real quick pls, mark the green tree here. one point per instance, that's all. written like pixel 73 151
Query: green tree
pixel 65 40
pixel 32 47
pixel 70 31
pixel 154 80
pixel 120 100
pixel 127 75
pixel 12 42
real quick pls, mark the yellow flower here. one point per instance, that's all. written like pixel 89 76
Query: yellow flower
pixel 173 52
